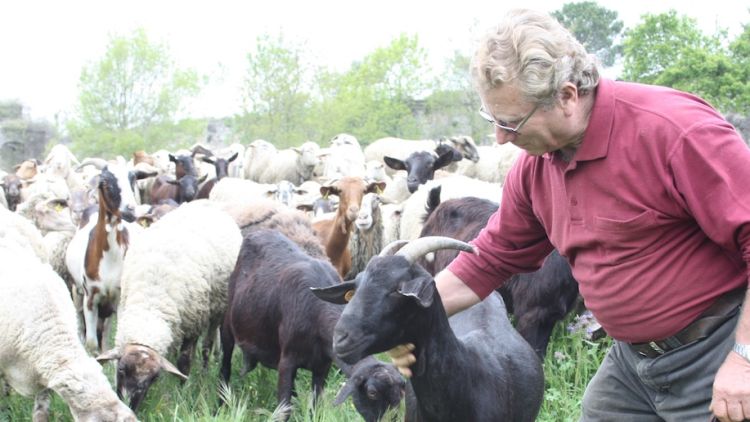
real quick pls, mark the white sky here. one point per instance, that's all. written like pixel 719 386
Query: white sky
pixel 45 44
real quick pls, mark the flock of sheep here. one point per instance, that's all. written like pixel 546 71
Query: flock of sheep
pixel 179 245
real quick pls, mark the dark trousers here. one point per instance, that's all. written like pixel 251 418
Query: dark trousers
pixel 675 386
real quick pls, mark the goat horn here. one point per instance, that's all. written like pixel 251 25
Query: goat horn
pixel 99 163
pixel 389 248
pixel 424 245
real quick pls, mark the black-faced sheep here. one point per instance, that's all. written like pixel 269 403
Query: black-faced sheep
pixel 473 368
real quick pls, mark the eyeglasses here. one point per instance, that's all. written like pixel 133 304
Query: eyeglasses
pixel 504 125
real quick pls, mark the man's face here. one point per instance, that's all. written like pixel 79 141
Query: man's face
pixel 533 128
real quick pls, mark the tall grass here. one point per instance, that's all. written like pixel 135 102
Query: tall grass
pixel 571 361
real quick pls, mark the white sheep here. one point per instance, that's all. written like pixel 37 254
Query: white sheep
pixel 23 232
pixel 343 158
pixel 258 156
pixel 293 164
pixel 39 346
pixel 455 186
pixel 230 189
pixel 174 289
pixel 494 163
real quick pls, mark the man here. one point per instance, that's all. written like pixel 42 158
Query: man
pixel 645 191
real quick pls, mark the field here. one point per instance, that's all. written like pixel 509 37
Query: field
pixel 571 361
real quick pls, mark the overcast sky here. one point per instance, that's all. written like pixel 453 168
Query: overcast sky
pixel 44 44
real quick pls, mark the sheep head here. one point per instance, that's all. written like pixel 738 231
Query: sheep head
pixel 138 366
pixel 388 297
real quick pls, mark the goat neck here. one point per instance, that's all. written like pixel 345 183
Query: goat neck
pixel 108 230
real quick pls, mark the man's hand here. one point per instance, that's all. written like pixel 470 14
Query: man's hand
pixel 403 358
pixel 731 395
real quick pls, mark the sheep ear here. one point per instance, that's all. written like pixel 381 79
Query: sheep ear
pixel 421 289
pixel 339 294
pixel 345 392
pixel 443 160
pixel 167 366
pixel 394 163
pixel 112 354
pixel 203 178
pixel 233 157
pixel 208 160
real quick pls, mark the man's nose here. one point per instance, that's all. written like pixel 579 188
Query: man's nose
pixel 503 136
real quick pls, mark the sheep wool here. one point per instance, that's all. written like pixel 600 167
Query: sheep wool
pixel 175 277
pixel 39 344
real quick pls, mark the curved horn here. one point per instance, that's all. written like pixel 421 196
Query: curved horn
pixel 424 245
pixel 99 163
pixel 391 247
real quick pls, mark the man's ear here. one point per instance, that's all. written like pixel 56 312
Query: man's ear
pixel 569 98
pixel 339 294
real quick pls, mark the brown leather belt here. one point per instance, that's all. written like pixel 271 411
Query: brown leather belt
pixel 723 308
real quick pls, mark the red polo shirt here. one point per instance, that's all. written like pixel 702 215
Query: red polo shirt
pixel 652 213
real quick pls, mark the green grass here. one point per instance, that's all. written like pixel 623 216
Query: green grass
pixel 571 361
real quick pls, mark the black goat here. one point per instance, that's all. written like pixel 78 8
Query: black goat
pixel 221 165
pixel 420 166
pixel 474 368
pixel 12 190
pixel 275 320
pixel 538 300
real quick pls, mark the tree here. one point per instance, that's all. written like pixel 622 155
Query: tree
pixel 276 92
pixel 659 42
pixel 127 95
pixel 378 96
pixel 452 106
pixel 596 27
pixel 669 50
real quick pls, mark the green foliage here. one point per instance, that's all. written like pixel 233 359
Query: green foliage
pixel 659 42
pixel 669 50
pixel 451 109
pixel 276 92
pixel 596 27
pixel 129 94
pixel 376 96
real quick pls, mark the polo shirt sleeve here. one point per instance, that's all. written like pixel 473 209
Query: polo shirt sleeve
pixel 711 168
pixel 512 242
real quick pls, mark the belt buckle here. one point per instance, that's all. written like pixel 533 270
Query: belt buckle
pixel 655 347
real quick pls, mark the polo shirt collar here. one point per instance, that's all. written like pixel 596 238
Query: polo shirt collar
pixel 596 139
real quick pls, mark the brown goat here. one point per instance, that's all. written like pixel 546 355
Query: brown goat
pixel 334 234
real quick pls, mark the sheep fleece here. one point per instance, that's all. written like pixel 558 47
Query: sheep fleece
pixel 175 277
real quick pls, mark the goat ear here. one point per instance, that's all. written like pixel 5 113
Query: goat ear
pixel 112 354
pixel 394 163
pixel 208 160
pixel 233 157
pixel 421 289
pixel 173 182
pixel 203 178
pixel 167 366
pixel 172 158
pixel 339 294
pixel 140 174
pixel 376 187
pixel 345 391
pixel 328 190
